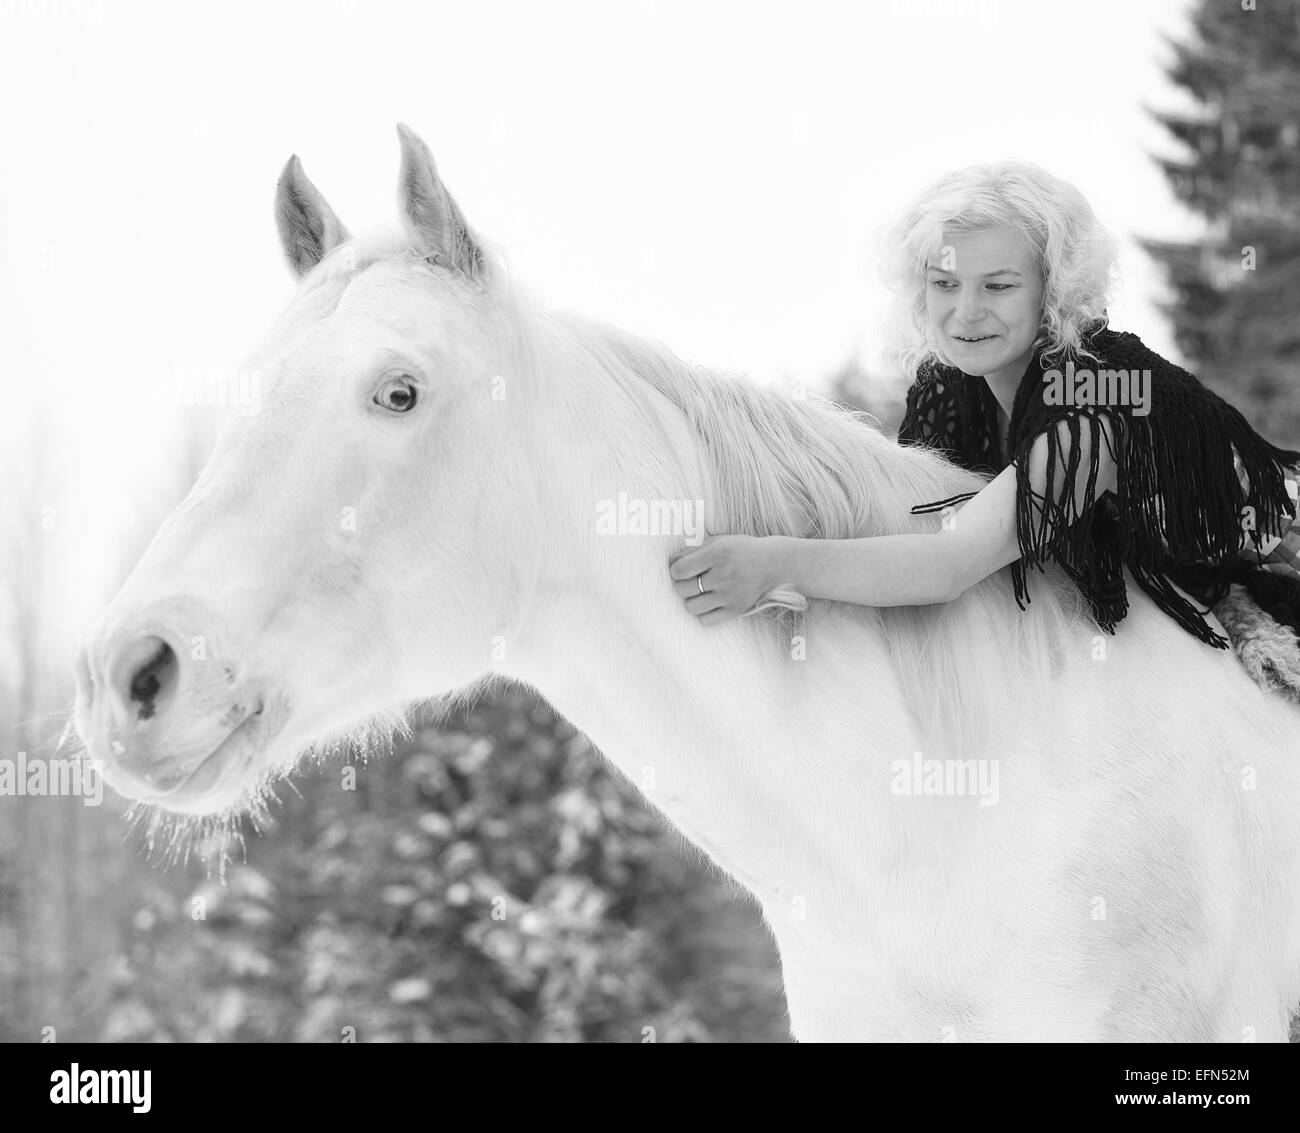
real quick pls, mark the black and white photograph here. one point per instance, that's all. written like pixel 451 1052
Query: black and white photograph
pixel 651 522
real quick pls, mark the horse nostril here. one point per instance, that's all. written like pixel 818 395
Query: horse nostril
pixel 154 679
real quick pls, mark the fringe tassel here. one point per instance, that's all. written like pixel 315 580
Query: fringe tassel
pixel 1177 607
pixel 1200 513
pixel 1177 518
pixel 1055 526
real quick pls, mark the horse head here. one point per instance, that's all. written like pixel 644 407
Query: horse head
pixel 315 576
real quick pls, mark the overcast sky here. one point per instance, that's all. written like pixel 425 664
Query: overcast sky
pixel 710 174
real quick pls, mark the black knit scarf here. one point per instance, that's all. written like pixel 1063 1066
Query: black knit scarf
pixel 1177 513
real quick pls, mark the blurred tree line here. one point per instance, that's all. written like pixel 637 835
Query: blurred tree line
pixel 1236 289
pixel 491 881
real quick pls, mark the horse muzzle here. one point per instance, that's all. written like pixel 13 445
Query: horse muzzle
pixel 165 707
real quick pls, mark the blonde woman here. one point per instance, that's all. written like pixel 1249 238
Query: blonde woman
pixel 1103 454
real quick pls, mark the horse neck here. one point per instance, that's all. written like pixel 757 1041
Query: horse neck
pixel 747 750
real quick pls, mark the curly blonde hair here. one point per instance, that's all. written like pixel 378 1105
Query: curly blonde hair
pixel 1075 254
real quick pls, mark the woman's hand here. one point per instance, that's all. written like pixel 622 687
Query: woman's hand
pixel 734 570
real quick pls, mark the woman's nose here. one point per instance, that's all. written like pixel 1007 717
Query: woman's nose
pixel 970 305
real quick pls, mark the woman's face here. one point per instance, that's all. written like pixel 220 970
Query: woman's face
pixel 984 301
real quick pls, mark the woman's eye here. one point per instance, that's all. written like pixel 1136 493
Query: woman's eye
pixel 943 284
pixel 1001 286
pixel 398 395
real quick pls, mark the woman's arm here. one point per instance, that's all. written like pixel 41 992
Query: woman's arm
pixel 887 570
pixel 918 570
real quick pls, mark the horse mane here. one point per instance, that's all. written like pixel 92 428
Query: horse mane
pixel 807 466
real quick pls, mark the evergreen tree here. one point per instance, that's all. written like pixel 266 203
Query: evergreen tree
pixel 1236 291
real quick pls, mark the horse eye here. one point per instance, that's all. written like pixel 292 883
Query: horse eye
pixel 398 395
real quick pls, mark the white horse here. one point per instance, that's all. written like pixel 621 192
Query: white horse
pixel 962 822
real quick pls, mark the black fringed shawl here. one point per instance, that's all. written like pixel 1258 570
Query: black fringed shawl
pixel 1177 513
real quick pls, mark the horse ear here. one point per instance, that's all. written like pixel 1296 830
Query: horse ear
pixel 308 226
pixel 433 220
